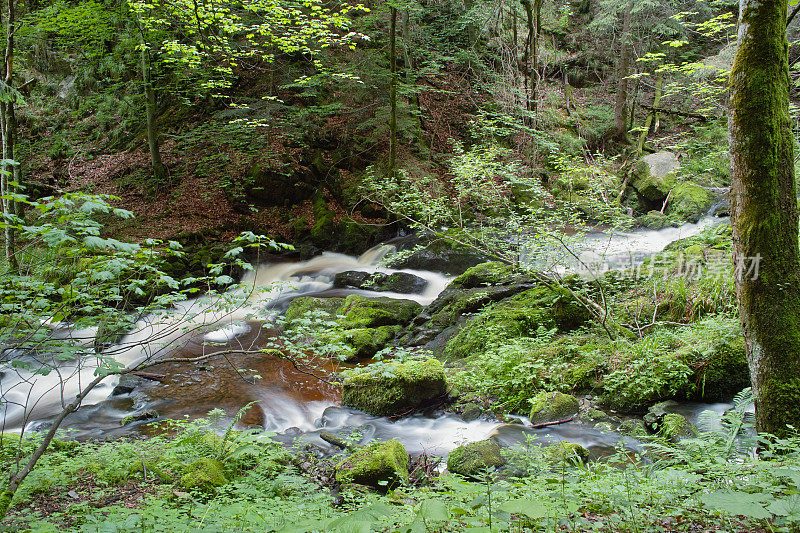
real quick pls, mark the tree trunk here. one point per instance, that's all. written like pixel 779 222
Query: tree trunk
pixel 764 213
pixel 393 92
pixel 621 102
pixel 159 172
pixel 9 171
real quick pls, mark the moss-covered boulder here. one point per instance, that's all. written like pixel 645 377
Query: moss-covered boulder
pixel 382 465
pixel 654 176
pixel 204 475
pixel 567 452
pixel 689 201
pixel 485 274
pixel 674 426
pixel 519 316
pixel 473 459
pixel 552 407
pixel 366 342
pixel 367 324
pixel 392 388
pixel 299 307
pixel 362 312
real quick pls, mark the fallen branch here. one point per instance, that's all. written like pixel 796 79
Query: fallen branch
pixel 149 375
pixel 547 424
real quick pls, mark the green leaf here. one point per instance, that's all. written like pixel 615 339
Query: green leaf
pixel 530 508
pixel 433 510
pixel 735 503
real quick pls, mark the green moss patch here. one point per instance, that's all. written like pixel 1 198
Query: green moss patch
pixel 382 465
pixel 392 388
pixel 473 459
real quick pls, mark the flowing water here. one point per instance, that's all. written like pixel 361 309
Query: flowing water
pixel 287 400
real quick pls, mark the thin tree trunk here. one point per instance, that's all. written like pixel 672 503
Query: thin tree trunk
pixel 393 92
pixel 529 60
pixel 651 116
pixel 8 127
pixel 764 213
pixel 159 172
pixel 621 102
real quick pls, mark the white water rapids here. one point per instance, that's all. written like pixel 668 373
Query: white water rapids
pixel 208 323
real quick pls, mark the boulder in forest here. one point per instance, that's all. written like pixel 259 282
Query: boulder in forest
pixel 381 465
pixel 393 388
pixel 552 407
pixel 567 452
pixel 689 201
pixel 653 177
pixel 471 460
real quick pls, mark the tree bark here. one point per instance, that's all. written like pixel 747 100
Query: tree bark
pixel 764 213
pixel 621 101
pixel 159 172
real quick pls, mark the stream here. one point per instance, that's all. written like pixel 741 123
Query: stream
pixel 288 402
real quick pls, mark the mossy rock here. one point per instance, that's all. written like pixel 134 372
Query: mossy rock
pixel 726 372
pixel 382 465
pixel 519 316
pixel 633 428
pixel 204 475
pixel 653 176
pixel 657 220
pixel 689 201
pixel 674 426
pixel 567 452
pixel 394 388
pixel 473 459
pixel 299 307
pixel 485 274
pixel 362 312
pixel 595 414
pixel 552 407
pixel 366 342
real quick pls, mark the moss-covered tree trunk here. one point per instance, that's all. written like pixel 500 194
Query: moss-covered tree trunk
pixel 764 213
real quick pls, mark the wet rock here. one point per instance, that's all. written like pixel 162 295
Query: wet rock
pixel 552 407
pixel 473 459
pixel 441 255
pixel 471 411
pixel 149 414
pixel 382 465
pixel 394 388
pixel 204 475
pixel 399 282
